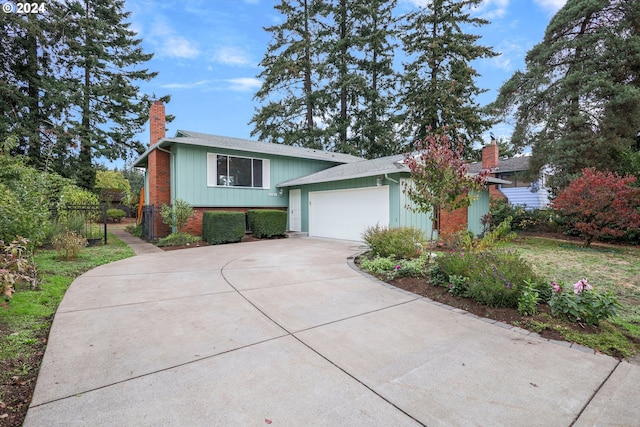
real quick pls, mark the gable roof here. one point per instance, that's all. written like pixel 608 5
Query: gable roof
pixel 225 142
pixel 512 164
pixel 361 169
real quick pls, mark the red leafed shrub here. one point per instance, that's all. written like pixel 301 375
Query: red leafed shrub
pixel 600 204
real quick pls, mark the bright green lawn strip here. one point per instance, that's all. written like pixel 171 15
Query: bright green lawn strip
pixel 29 312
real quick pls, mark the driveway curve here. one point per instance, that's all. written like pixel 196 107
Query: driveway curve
pixel 287 332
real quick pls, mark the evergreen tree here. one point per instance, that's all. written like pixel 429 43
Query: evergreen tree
pixel 29 102
pixel 292 103
pixel 101 61
pixel 362 82
pixel 439 89
pixel 577 104
pixel 328 80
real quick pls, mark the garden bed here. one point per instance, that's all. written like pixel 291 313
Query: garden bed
pixel 506 315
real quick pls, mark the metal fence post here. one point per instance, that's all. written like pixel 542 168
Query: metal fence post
pixel 104 212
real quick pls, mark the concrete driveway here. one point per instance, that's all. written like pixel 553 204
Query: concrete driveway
pixel 286 332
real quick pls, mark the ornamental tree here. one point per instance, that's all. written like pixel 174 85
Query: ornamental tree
pixel 439 176
pixel 600 204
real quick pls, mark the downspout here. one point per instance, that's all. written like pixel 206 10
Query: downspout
pixel 386 176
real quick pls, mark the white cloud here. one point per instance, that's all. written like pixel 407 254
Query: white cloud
pixel 243 84
pixel 551 5
pixel 179 47
pixel 232 56
pixel 492 9
pixel 168 43
pixel 239 84
pixel 198 84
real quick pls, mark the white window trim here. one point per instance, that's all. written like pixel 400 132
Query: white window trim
pixel 212 171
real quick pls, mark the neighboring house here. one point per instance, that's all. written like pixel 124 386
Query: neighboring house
pixel 519 191
pixel 326 194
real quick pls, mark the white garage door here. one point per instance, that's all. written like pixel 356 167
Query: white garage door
pixel 345 214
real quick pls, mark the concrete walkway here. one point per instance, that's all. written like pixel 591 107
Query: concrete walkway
pixel 286 332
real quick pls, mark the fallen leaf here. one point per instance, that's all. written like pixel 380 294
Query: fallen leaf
pixel 4 416
pixel 268 421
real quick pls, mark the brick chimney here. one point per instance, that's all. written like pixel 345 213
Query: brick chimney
pixel 157 122
pixel 490 155
pixel 490 160
pixel 159 168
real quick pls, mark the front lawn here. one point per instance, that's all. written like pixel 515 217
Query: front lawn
pixel 26 319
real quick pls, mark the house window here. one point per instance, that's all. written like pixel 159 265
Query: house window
pixel 518 179
pixel 233 171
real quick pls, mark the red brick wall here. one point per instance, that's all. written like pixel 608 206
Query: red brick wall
pixel 490 160
pixel 157 124
pixel 452 222
pixel 159 168
pixel 490 155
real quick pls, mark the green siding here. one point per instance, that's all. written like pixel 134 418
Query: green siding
pixel 476 211
pixel 409 218
pixel 189 179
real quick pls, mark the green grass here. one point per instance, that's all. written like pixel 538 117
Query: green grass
pixel 29 313
pixel 616 269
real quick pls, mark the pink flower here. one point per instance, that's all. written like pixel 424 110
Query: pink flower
pixel 398 267
pixel 556 287
pixel 581 285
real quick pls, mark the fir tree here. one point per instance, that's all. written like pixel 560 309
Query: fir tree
pixel 577 104
pixel 439 89
pixel 362 82
pixel 292 103
pixel 102 60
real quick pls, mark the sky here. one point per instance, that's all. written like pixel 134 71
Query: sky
pixel 207 54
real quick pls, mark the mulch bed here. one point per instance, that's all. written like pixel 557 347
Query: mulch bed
pixel 510 316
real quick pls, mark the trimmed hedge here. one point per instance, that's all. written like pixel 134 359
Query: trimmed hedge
pixel 222 227
pixel 115 215
pixel 267 222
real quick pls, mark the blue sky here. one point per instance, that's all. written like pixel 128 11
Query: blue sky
pixel 207 54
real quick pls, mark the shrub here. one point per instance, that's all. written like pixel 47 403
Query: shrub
pixel 528 300
pixel 495 276
pixel 401 243
pixel 392 267
pixel 600 204
pixel 267 222
pixel 176 215
pixel 464 239
pixel 115 215
pixel 135 230
pixel 583 303
pixel 16 267
pixel 68 244
pixel 178 239
pixel 521 217
pixel 24 201
pixel 222 227
pixel 74 195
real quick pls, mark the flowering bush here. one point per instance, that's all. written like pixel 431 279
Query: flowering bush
pixel 495 277
pixel 582 303
pixel 392 268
